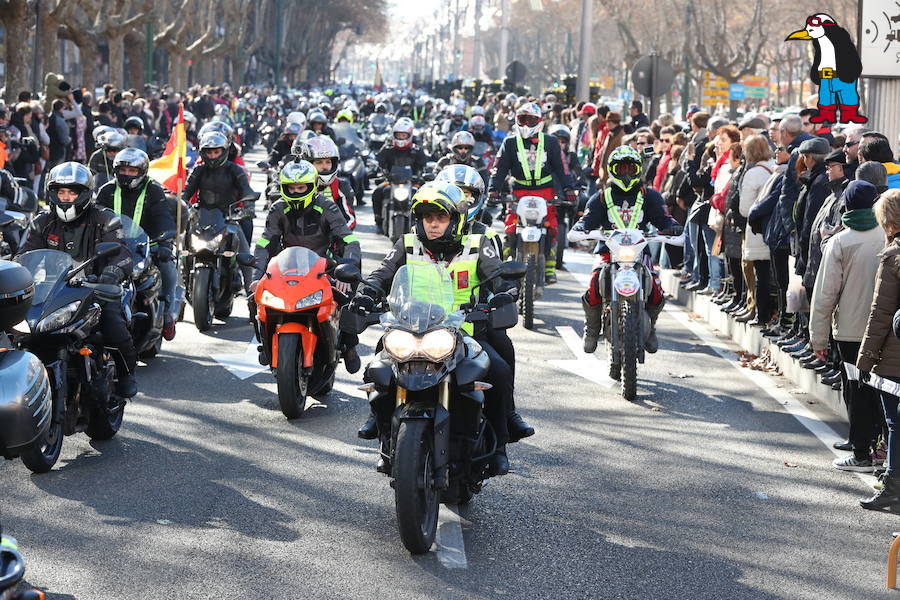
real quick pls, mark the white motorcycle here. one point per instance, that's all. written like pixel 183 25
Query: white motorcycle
pixel 531 241
pixel 626 283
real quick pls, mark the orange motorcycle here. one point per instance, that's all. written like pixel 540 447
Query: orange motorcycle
pixel 297 326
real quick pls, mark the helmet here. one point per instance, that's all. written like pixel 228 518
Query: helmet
pixel 189 119
pixel 477 124
pixel 529 119
pixel 401 127
pixel 381 107
pixel 478 111
pixel 292 129
pixel 561 132
pixel 131 157
pixel 112 141
pixel 209 141
pixel 300 172
pixel 100 130
pixel 320 147
pixel 296 117
pixel 12 566
pixel 221 110
pixel 624 167
pixel 134 123
pixel 457 114
pixel 470 182
pixel 462 143
pixel 74 176
pixel 345 114
pixel 440 196
pixel 220 126
pixel 317 118
pixel 405 103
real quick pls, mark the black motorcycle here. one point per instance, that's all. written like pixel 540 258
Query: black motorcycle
pixel 211 275
pixel 62 329
pixel 397 202
pixel 353 154
pixel 426 388
pixel 142 297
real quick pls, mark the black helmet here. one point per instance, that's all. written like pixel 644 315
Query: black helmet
pixel 73 176
pixel 134 123
pixel 12 567
pixel 220 126
pixel 210 140
pixel 131 157
pixel 319 118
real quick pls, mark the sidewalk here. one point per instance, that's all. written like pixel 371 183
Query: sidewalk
pixel 750 340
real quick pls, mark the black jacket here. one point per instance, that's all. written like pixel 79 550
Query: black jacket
pixel 80 237
pixel 596 215
pixel 156 218
pixel 508 163
pixel 280 149
pixel 389 157
pixel 218 187
pixel 321 228
pixel 450 159
pixel 812 196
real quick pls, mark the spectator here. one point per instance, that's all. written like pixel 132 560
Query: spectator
pixel 739 280
pixel 58 130
pixel 851 150
pixel 638 118
pixel 758 169
pixel 880 350
pixel 661 169
pixel 104 114
pixel 834 172
pixel 875 147
pixel 840 307
pixel 686 195
pixel 613 140
pixel 677 209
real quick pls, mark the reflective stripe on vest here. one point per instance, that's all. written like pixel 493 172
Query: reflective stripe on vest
pixel 636 212
pixel 138 207
pixel 538 164
pixel 463 267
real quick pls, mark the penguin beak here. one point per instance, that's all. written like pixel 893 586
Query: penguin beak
pixel 802 34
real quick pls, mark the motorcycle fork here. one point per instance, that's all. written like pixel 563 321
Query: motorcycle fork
pixel 613 311
pixel 442 437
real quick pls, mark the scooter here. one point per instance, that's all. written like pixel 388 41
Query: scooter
pixel 296 324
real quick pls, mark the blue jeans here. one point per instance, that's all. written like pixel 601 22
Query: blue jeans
pixel 834 91
pixel 889 403
pixel 688 263
pixel 715 263
pixel 694 234
pixel 169 275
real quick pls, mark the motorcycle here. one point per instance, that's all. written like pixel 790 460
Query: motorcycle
pixel 379 129
pixel 565 217
pixel 486 153
pixel 246 134
pixel 16 215
pixel 626 283
pixel 26 400
pixel 210 272
pixel 426 387
pixel 353 154
pixel 398 197
pixel 142 296
pixel 61 329
pixel 296 324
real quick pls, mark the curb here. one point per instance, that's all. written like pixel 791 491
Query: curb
pixel 750 340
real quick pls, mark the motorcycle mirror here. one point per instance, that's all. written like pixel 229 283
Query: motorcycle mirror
pixel 163 237
pixel 347 273
pixel 105 249
pixel 513 269
pixel 245 259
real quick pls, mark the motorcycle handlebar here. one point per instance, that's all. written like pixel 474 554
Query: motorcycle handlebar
pixel 601 235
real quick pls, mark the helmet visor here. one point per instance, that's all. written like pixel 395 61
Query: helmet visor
pixel 401 135
pixel 625 169
pixel 527 120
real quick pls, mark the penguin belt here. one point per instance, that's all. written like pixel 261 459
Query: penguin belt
pixel 826 74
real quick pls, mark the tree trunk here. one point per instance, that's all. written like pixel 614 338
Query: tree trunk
pixel 116 43
pixel 136 48
pixel 49 43
pixel 87 51
pixel 16 32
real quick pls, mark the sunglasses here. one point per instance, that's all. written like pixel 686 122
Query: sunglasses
pixel 817 22
pixel 850 144
pixel 780 149
pixel 666 140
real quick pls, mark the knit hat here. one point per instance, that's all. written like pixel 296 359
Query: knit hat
pixel 860 194
pixel 837 156
pixel 815 145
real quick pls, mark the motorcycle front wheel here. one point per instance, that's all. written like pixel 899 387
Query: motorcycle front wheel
pixel 43 453
pixel 108 411
pixel 415 498
pixel 292 384
pixel 203 299
pixel 398 227
pixel 630 316
pixel 528 289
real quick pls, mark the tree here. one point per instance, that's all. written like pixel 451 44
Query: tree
pixel 14 15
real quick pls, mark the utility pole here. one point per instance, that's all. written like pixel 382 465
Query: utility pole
pixel 455 40
pixel 504 38
pixel 583 87
pixel 476 42
pixel 279 9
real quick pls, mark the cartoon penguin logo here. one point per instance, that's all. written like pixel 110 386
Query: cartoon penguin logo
pixel 835 69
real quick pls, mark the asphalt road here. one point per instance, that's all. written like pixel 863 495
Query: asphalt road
pixel 704 488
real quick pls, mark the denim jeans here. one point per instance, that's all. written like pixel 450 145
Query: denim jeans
pixel 688 248
pixel 889 404
pixel 715 263
pixel 694 235
pixel 169 275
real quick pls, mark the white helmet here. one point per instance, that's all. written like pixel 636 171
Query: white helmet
pixel 529 119
pixel 296 117
pixel 403 126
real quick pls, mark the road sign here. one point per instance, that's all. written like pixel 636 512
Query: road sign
pixel 736 91
pixel 879 38
pixel 652 76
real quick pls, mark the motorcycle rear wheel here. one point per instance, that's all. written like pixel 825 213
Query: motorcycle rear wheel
pixel 203 300
pixel 631 324
pixel 292 384
pixel 416 500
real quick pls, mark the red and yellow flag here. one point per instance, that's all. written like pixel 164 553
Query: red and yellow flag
pixel 169 169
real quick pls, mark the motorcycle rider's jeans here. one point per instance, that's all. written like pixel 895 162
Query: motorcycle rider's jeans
pixel 115 334
pixel 168 272
pixel 498 399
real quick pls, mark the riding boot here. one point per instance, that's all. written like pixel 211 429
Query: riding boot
pixel 369 430
pixel 651 344
pixel 550 266
pixel 887 498
pixel 593 321
pixel 126 364
pixel 518 427
pixel 499 463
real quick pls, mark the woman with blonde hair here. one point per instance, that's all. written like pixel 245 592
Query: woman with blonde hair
pixel 758 168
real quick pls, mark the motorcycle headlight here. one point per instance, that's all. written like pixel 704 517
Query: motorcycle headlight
pixel 58 318
pixel 307 301
pixel 626 254
pixel 436 345
pixel 401 193
pixel 198 243
pixel 400 344
pixel 270 299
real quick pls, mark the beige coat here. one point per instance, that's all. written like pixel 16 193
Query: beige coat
pixel 752 184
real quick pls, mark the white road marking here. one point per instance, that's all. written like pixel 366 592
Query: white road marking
pixel 585 365
pixel 449 544
pixel 795 407
pixel 243 365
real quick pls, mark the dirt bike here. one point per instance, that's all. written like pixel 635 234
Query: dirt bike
pixel 625 282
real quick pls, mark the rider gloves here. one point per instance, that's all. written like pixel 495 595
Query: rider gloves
pixel 362 303
pixel 501 299
pixel 112 274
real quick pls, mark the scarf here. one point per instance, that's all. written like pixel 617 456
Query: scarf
pixel 861 219
pixel 725 156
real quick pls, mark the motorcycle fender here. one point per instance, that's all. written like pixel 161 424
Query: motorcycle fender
pixel 627 283
pixel 531 234
pixel 307 338
pixel 471 369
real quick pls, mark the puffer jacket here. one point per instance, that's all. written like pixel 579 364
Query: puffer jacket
pixel 880 350
pixel 755 180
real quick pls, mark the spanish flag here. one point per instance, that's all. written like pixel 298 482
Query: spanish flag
pixel 169 169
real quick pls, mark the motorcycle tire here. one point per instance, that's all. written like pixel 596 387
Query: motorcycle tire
pixel 631 325
pixel 415 499
pixel 324 388
pixel 398 227
pixel 528 289
pixel 203 299
pixel 105 419
pixel 561 232
pixel 42 454
pixel 224 307
pixel 292 385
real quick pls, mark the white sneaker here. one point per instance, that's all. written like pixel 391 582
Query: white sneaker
pixel 851 463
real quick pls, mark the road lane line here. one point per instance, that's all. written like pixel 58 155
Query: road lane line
pixel 449 544
pixel 584 365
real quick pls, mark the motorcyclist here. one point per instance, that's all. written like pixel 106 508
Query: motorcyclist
pixel 109 144
pixel 324 155
pixel 305 218
pixel 405 109
pixel 440 238
pixel 345 115
pixel 480 130
pixel 461 152
pixel 282 147
pixel 74 224
pixel 624 203
pixel 401 152
pixel 134 127
pixel 218 183
pixel 132 193
pixel 533 159
pixel 456 122
pixel 318 122
pixel 470 182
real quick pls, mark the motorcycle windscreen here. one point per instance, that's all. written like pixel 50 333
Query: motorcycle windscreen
pixel 421 297
pixel 296 261
pixel 134 234
pixel 46 268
